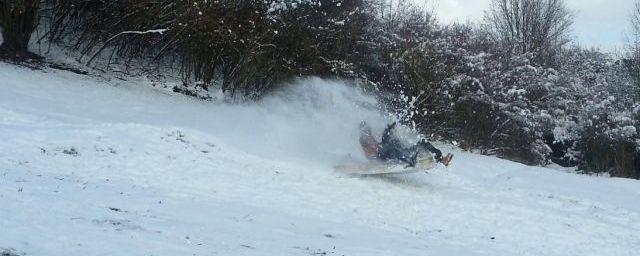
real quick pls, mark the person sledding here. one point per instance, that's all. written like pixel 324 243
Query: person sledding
pixel 390 147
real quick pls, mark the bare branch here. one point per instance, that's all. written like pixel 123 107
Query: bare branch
pixel 106 43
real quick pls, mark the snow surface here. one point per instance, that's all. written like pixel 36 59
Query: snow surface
pixel 91 166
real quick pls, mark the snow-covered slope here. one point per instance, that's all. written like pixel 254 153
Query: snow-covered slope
pixel 94 167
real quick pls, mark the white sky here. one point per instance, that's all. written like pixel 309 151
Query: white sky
pixel 598 23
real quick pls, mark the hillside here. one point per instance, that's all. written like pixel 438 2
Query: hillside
pixel 94 166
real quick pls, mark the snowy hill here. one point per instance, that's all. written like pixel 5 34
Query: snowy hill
pixel 96 167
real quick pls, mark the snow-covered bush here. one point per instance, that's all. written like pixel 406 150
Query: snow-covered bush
pixel 401 58
pixel 506 98
pixel 596 99
pixel 506 105
pixel 247 46
pixel 610 143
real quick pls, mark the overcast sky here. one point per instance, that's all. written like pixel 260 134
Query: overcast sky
pixel 598 23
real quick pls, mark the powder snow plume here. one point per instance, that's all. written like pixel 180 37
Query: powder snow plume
pixel 311 120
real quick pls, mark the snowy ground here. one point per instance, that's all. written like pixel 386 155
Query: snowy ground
pixel 96 167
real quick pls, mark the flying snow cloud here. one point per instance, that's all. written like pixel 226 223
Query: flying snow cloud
pixel 312 119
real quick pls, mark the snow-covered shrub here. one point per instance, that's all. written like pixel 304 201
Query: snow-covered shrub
pixel 610 141
pixel 506 105
pixel 595 101
pixel 247 46
pixel 483 98
pixel 515 91
pixel 103 33
pixel 400 58
pixel 611 144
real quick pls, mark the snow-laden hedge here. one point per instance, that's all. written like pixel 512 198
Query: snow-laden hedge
pixel 584 112
pixel 247 46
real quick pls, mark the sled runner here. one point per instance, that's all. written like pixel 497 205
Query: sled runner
pixel 382 168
